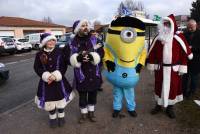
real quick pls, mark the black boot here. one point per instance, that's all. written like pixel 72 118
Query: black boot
pixel 61 122
pixel 100 89
pixel 115 113
pixel 156 109
pixel 53 123
pixel 132 113
pixel 82 118
pixel 92 117
pixel 170 112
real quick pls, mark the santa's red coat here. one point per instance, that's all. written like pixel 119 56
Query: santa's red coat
pixel 169 60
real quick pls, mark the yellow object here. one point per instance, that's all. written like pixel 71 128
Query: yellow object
pixel 128 54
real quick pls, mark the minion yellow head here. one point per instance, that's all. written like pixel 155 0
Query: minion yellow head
pixel 126 36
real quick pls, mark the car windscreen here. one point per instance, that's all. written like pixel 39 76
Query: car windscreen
pixel 23 40
pixel 7 39
pixel 64 38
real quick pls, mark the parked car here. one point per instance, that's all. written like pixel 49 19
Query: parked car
pixel 63 40
pixel 34 39
pixel 22 44
pixel 7 45
pixel 4 73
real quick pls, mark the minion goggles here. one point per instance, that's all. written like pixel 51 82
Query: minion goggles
pixel 128 34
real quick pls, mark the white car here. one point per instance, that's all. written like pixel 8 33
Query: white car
pixel 23 44
pixel 34 39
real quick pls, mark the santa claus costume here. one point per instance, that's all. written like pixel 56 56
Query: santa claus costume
pixel 168 57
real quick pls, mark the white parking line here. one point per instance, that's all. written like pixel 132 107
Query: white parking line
pixel 10 63
pixel 20 61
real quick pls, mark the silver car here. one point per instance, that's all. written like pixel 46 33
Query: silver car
pixel 7 45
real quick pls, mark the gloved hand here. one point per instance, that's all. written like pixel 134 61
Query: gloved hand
pixel 110 66
pixel 90 57
pixel 138 68
pixel 80 58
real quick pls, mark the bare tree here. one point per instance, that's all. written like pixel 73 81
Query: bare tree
pixel 134 5
pixel 120 9
pixel 96 22
pixel 131 5
pixel 47 20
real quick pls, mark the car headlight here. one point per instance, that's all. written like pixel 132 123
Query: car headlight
pixel 128 35
pixel 2 65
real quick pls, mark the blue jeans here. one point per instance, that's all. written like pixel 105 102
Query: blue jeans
pixel 119 93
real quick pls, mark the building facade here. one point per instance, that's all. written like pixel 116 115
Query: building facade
pixel 19 27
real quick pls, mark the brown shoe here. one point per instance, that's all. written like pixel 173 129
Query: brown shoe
pixel 92 117
pixel 83 118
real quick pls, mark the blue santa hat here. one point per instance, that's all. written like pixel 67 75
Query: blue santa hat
pixel 45 37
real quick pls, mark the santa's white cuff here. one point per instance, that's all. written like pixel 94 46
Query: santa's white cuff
pixel 96 58
pixel 45 76
pixel 182 69
pixel 190 57
pixel 74 62
pixel 153 67
pixel 57 74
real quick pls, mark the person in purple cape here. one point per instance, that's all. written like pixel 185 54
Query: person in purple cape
pixel 54 91
pixel 85 58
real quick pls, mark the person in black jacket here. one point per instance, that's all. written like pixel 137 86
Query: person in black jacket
pixel 192 35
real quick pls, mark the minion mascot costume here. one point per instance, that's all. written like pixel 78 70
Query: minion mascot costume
pixel 125 55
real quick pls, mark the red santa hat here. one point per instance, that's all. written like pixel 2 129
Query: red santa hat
pixel 178 35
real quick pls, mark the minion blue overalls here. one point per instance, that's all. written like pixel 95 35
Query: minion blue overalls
pixel 124 80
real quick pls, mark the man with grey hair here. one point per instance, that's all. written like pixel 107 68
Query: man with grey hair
pixel 192 35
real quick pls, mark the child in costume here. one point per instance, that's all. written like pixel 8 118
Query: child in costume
pixel 54 91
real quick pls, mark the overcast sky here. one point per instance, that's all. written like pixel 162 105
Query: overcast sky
pixel 65 12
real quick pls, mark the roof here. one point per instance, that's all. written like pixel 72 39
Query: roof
pixel 22 22
pixel 148 22
pixel 100 27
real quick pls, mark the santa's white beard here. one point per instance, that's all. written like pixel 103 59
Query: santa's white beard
pixel 165 35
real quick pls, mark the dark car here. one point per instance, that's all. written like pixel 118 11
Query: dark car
pixel 63 40
pixel 7 45
pixel 4 73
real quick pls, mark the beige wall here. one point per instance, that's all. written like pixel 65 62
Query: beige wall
pixel 18 31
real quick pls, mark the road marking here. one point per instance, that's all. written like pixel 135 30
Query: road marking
pixel 20 61
pixel 16 108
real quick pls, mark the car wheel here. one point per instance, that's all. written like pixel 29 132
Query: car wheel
pixel 37 46
pixel 11 53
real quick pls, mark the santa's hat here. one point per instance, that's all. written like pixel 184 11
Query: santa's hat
pixel 77 25
pixel 45 37
pixel 172 21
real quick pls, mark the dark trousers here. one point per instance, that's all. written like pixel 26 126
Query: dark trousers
pixel 87 98
pixel 189 83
